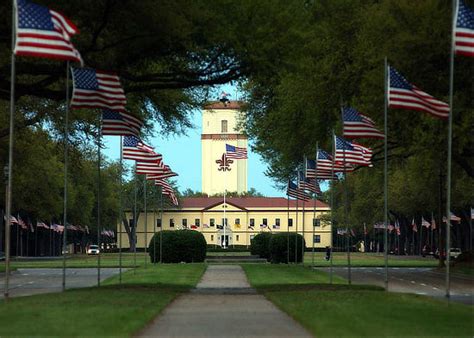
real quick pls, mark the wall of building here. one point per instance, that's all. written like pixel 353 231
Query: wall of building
pixel 213 142
pixel 240 234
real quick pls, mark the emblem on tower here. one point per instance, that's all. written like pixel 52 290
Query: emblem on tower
pixel 224 163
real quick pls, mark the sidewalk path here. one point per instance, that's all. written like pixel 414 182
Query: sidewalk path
pixel 223 305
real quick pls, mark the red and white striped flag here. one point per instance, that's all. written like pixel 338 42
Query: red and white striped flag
pixel 357 125
pixel 120 123
pixel 97 89
pixel 42 32
pixel 404 95
pixel 464 30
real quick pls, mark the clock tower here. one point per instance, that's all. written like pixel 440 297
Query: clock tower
pixel 220 127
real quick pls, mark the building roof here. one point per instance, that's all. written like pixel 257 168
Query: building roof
pixel 246 202
pixel 215 105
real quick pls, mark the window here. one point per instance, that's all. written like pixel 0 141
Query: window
pixel 316 222
pixel 184 222
pixel 197 222
pixel 265 221
pixel 317 239
pixel 277 222
pixel 212 222
pixel 212 237
pixel 252 222
pixel 237 238
pixel 237 221
pixel 290 222
pixel 171 223
pixel 224 126
pixel 158 223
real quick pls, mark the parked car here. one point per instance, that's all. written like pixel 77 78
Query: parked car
pixel 454 252
pixel 93 250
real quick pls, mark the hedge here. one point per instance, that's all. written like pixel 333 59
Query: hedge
pixel 278 247
pixel 178 246
pixel 260 245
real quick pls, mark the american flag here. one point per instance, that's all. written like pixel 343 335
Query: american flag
pixel 13 220
pixel 144 168
pixel 425 223
pixel 22 223
pixel 346 152
pixel 464 30
pixel 42 32
pixel 341 231
pixel 163 175
pixel 235 152
pixel 366 152
pixel 40 224
pixel 293 191
pixel 322 174
pixel 379 225
pixel 135 149
pixel 452 217
pixel 472 213
pixel 413 226
pixel 433 223
pixel 325 163
pixel 308 184
pixel 390 227
pixel 357 125
pixel 397 228
pixel 97 89
pixel 404 95
pixel 164 185
pixel 172 197
pixel 120 123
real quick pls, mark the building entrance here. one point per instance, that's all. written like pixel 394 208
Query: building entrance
pixel 225 241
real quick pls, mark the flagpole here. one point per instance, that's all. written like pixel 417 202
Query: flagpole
pixel 332 202
pixel 135 221
pixel 450 140
pixel 146 221
pixel 296 228
pixel 303 217
pixel 99 136
pixel 470 230
pixel 154 231
pixel 315 198
pixel 120 210
pixel 385 178
pixel 8 200
pixel 66 144
pixel 224 220
pixel 349 279
pixel 288 226
pixel 161 231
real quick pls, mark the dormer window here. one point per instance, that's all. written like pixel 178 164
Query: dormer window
pixel 224 126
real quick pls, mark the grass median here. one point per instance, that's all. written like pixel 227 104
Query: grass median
pixel 355 310
pixel 111 310
pixel 370 260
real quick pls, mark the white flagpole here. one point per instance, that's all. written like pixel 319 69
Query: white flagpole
pixel 99 139
pixel 332 203
pixel 288 225
pixel 385 180
pixel 8 200
pixel 302 230
pixel 66 145
pixel 450 140
pixel 120 210
pixel 135 219
pixel 225 191
pixel 146 220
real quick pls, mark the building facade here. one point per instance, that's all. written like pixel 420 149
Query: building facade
pixel 235 220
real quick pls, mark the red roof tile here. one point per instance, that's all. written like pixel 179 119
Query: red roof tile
pixel 246 202
pixel 235 105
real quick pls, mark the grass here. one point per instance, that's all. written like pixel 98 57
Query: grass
pixel 364 313
pixel 112 310
pixel 369 259
pixel 355 310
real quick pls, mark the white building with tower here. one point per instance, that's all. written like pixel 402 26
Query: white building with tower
pixel 243 217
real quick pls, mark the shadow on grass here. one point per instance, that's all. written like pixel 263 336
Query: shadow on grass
pixel 316 287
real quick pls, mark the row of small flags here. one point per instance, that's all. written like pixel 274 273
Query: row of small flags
pixel 402 95
pixel 45 33
pixel 39 224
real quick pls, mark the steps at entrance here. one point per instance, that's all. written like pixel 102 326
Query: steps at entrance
pixel 235 259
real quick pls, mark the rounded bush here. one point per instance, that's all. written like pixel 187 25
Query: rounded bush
pixel 279 244
pixel 260 245
pixel 178 246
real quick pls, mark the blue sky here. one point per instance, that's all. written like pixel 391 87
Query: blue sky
pixel 183 154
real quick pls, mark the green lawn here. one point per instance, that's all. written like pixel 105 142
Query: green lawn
pixel 364 313
pixel 108 260
pixel 355 310
pixel 370 259
pixel 111 310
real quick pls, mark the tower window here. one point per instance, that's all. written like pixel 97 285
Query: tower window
pixel 224 126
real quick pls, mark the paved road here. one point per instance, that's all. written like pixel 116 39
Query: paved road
pixel 223 305
pixel 25 282
pixel 422 281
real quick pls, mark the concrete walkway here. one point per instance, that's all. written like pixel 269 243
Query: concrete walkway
pixel 223 305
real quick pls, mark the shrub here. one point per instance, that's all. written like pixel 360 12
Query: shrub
pixel 260 245
pixel 279 247
pixel 178 246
